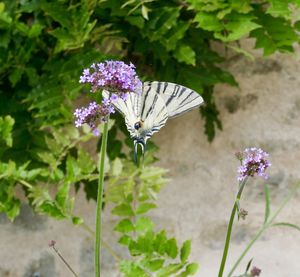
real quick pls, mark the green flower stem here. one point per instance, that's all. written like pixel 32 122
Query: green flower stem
pixel 229 228
pixel 262 229
pixel 99 200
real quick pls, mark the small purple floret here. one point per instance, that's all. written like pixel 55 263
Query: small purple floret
pixel 114 97
pixel 254 161
pixel 114 76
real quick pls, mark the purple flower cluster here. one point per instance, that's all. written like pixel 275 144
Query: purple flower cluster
pixel 253 162
pixel 92 114
pixel 114 76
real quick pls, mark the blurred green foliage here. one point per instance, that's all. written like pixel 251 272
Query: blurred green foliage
pixel 44 46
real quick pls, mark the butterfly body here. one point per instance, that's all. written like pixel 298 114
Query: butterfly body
pixel 147 110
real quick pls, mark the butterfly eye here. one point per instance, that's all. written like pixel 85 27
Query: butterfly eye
pixel 137 125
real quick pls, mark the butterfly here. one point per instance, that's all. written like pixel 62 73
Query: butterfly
pixel 147 111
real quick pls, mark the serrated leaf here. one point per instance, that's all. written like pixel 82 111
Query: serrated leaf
pixel 85 162
pixel 237 27
pixel 185 251
pixel 208 21
pixel 144 225
pixel 276 34
pixel 145 207
pixel 279 8
pixel 117 167
pixel 6 127
pixel 15 76
pixel 130 269
pixel 171 248
pixel 159 242
pixel 62 195
pixel 124 226
pixel 192 268
pixel 154 265
pixel 185 53
pixel 35 30
pixel 123 209
pixel 169 270
pixel 125 240
pixel 73 169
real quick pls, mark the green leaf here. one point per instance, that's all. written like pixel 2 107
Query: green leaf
pixel 171 248
pixel 144 225
pixel 117 167
pixel 192 268
pixel 286 224
pixel 123 209
pixel 15 76
pixel 35 30
pixel 275 34
pixel 267 204
pixel 125 240
pixel 130 269
pixel 145 12
pixel 160 242
pixel 248 265
pixel 85 162
pixel 62 195
pixel 279 8
pixel 154 265
pixel 169 270
pixel 185 53
pixel 185 251
pixel 73 169
pixel 124 226
pixel 238 26
pixel 208 21
pixel 6 127
pixel 145 207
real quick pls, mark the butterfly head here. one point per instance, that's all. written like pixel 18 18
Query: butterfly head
pixel 138 125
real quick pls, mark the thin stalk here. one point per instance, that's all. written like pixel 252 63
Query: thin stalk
pixel 64 261
pixel 100 200
pixel 262 229
pixel 229 228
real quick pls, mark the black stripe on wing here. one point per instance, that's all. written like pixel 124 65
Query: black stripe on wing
pixel 178 99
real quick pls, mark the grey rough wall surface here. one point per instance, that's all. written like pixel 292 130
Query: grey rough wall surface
pixel 263 112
